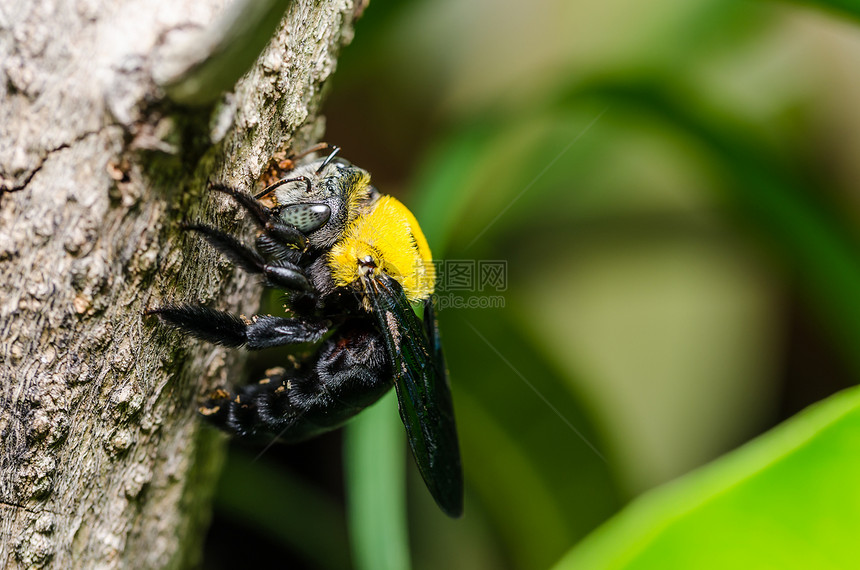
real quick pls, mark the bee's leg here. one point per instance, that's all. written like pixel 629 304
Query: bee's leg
pixel 281 274
pixel 349 372
pixel 220 327
pixel 276 249
pixel 278 231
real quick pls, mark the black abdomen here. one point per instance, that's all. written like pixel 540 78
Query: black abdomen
pixel 348 372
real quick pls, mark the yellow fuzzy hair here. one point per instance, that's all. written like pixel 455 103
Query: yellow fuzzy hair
pixel 390 235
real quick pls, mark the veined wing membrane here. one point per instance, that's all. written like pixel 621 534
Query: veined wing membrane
pixel 423 394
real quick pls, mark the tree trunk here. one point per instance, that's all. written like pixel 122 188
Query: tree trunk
pixel 104 464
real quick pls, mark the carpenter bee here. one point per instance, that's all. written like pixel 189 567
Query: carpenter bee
pixel 358 276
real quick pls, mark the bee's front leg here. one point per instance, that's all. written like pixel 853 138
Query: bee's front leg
pixel 280 273
pixel 285 241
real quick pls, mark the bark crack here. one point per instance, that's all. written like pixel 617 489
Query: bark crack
pixel 44 158
pixel 14 505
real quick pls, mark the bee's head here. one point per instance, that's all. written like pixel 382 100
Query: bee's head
pixel 322 198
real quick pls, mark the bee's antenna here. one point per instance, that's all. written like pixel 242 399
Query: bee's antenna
pixel 283 181
pixel 316 148
pixel 329 158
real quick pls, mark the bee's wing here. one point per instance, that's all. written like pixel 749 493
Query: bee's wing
pixel 422 388
pixel 431 327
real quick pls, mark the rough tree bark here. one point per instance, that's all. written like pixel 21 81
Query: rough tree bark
pixel 103 463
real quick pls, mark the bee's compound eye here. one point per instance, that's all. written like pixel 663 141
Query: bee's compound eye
pixel 305 217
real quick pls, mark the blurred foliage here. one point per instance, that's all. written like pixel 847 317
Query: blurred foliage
pixel 375 455
pixel 271 500
pixel 672 187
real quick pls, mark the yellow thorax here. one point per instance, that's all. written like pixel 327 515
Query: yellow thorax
pixel 391 237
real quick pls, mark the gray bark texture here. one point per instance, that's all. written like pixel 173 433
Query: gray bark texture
pixel 104 464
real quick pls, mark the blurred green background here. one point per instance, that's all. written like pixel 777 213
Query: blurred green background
pixel 672 187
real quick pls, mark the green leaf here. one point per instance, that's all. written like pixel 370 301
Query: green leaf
pixel 789 499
